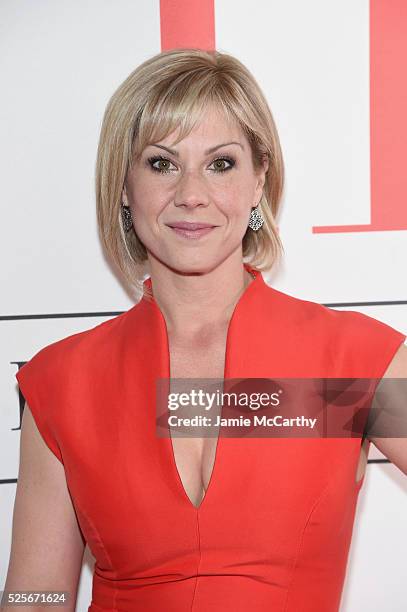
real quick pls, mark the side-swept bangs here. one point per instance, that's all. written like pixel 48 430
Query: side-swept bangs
pixel 167 93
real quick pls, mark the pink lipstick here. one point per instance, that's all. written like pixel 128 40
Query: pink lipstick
pixel 192 230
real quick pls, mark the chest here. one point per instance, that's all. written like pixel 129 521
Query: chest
pixel 195 456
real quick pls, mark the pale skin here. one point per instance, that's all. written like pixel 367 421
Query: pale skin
pixel 47 544
pixel 186 274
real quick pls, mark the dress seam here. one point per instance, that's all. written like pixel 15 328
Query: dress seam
pixel 100 542
pixel 301 540
pixel 199 560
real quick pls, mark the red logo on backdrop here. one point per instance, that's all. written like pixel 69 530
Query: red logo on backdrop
pixel 191 23
pixel 388 124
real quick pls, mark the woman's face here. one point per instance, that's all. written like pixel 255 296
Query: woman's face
pixel 203 179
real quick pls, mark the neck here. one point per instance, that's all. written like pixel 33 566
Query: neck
pixel 191 302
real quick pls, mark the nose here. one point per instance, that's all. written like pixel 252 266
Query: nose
pixel 191 191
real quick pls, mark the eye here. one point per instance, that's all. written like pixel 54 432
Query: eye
pixel 163 161
pixel 219 161
pixel 161 164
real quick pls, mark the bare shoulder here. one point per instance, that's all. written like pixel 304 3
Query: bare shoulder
pixel 47 545
pixel 398 366
pixel 395 449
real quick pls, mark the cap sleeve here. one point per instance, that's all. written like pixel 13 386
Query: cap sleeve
pixel 366 349
pixel 362 346
pixel 374 343
pixel 36 384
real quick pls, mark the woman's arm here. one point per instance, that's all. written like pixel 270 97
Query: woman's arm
pixel 47 545
pixel 395 449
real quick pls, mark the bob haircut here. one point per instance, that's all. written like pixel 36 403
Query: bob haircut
pixel 170 91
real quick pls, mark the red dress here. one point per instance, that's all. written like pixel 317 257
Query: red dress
pixel 274 528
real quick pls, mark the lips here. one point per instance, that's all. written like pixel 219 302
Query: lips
pixel 191 231
pixel 187 225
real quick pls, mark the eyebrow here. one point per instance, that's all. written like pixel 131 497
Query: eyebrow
pixel 207 152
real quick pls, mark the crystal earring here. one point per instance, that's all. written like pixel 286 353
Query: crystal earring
pixel 256 219
pixel 126 218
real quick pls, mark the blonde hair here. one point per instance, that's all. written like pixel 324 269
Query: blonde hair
pixel 170 91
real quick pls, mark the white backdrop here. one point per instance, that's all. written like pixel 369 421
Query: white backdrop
pixel 60 63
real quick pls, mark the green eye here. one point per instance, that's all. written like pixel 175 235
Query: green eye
pixel 161 160
pixel 165 164
pixel 222 160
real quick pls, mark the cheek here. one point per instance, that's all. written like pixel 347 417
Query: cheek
pixel 146 200
pixel 244 185
pixel 233 196
pixel 236 199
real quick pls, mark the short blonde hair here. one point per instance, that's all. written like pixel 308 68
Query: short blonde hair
pixel 170 91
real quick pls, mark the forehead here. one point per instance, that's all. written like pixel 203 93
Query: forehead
pixel 213 125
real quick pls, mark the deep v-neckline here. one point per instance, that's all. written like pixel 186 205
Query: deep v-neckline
pixel 167 440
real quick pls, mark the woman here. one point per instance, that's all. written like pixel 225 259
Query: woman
pixel 189 180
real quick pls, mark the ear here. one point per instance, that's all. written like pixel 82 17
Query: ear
pixel 266 163
pixel 124 195
pixel 261 179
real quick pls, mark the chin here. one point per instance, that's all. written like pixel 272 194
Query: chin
pixel 198 267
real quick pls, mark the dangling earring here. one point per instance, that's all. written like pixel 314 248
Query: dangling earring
pixel 256 219
pixel 126 218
